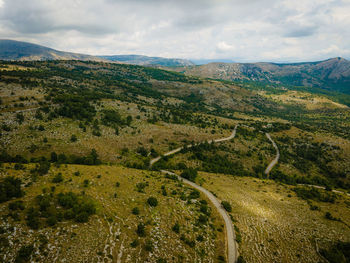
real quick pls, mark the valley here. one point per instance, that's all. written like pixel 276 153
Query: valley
pixel 80 137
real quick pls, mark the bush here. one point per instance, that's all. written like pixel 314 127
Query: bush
pixel 194 194
pixel 136 211
pixel 152 201
pixel 314 194
pixel 189 174
pixel 73 138
pixel 176 228
pixel 16 205
pixel 10 187
pixel 227 206
pixel 134 243
pixel 149 246
pixel 339 252
pixel 141 230
pixel 58 178
pixel 24 254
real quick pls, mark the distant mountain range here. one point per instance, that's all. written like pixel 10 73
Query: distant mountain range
pixel 148 61
pixel 16 50
pixel 332 74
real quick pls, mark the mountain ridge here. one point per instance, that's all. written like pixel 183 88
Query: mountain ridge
pixel 332 74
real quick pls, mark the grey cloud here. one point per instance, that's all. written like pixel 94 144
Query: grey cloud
pixel 302 32
pixel 252 30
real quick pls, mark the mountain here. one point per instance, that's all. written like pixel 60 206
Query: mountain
pixel 17 50
pixel 147 61
pixel 332 74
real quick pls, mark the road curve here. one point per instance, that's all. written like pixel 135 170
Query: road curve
pixel 274 161
pixel 233 134
pixel 232 252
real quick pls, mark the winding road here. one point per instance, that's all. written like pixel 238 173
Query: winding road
pixel 232 252
pixel 274 161
pixel 190 145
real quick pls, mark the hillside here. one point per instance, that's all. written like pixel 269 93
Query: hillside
pixel 148 61
pixel 16 50
pixel 331 74
pixel 77 138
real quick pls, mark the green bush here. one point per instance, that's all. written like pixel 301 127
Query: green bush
pixel 141 230
pixel 16 205
pixel 24 254
pixel 227 206
pixel 189 174
pixel 136 211
pixel 176 228
pixel 58 178
pixel 10 187
pixel 152 201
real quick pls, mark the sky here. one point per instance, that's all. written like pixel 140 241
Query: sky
pixel 237 30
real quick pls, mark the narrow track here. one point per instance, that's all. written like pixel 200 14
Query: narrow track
pixel 231 245
pixel 274 161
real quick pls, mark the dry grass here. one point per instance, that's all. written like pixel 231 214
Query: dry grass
pixel 277 226
pixel 307 100
pixel 108 234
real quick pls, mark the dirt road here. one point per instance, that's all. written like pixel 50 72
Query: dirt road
pixel 274 161
pixel 232 252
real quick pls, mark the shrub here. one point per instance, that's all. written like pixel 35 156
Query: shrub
pixel 149 246
pixel 24 254
pixel 339 252
pixel 16 205
pixel 141 230
pixel 189 174
pixel 176 228
pixel 134 243
pixel 140 187
pixel 194 194
pixel 73 138
pixel 314 194
pixel 43 168
pixel 136 211
pixel 226 205
pixel 54 157
pixel 58 178
pixel 152 201
pixel 10 187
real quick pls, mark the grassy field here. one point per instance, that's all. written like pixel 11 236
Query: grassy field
pixel 275 224
pixel 108 235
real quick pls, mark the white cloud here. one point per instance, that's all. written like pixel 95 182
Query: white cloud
pixel 241 30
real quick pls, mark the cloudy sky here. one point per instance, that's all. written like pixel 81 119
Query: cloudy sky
pixel 241 30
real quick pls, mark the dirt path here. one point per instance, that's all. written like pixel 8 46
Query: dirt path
pixel 232 252
pixel 233 134
pixel 274 161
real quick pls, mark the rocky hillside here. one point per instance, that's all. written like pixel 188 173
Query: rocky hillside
pixel 333 74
